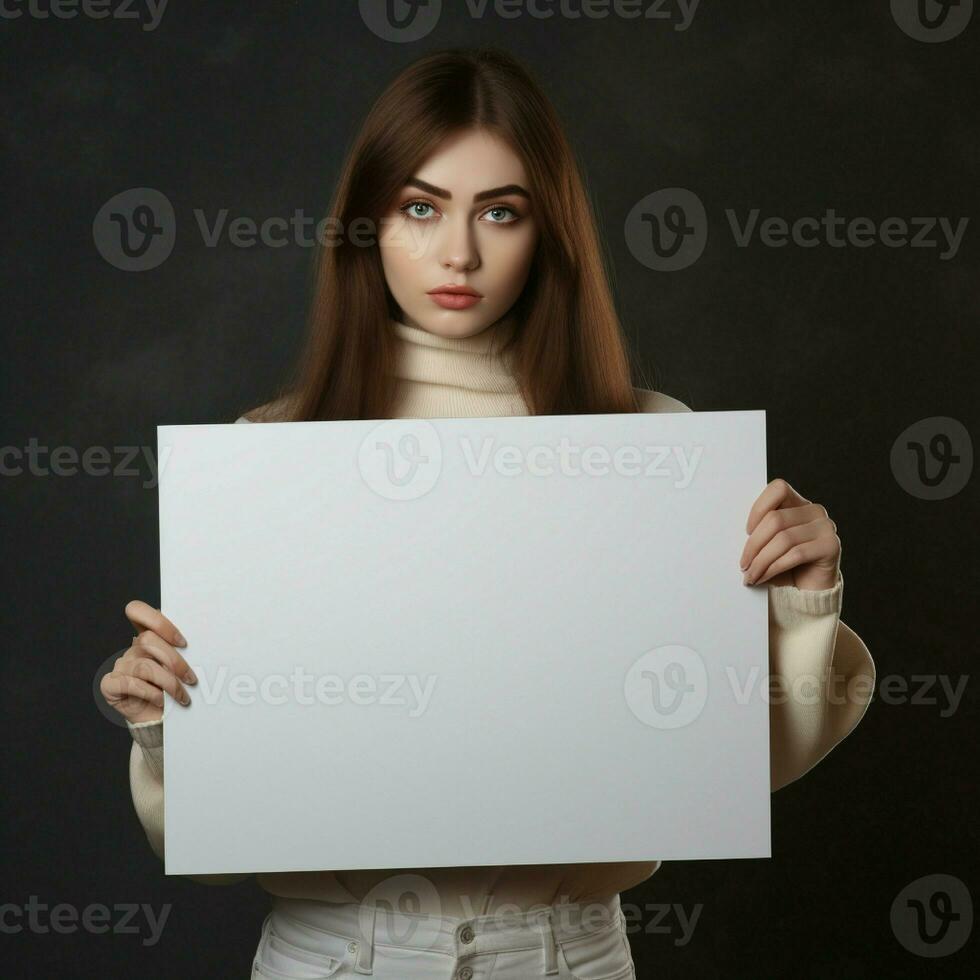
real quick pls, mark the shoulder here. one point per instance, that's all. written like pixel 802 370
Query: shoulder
pixel 657 401
pixel 274 411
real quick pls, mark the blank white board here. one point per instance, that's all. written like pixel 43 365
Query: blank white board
pixel 455 642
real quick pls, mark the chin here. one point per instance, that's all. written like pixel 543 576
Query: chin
pixel 456 324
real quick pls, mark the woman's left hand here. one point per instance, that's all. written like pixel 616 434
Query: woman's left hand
pixel 791 541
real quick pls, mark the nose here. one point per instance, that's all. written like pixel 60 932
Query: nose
pixel 459 249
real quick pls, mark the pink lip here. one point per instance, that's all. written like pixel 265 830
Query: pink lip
pixel 455 301
pixel 453 288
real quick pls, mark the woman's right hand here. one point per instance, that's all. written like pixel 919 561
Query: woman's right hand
pixel 152 665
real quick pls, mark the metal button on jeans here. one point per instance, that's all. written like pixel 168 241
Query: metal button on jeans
pixel 466 973
pixel 352 947
pixel 466 934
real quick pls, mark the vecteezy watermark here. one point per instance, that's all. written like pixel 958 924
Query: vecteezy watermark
pixel 934 690
pixel 148 13
pixel 123 918
pixel 401 459
pixel 933 458
pixel 275 231
pixel 409 691
pixel 404 21
pixel 303 687
pixel 920 689
pixel 37 460
pixel 411 907
pixel 106 709
pixel 665 919
pixel 932 21
pixel 668 230
pixel 667 687
pixel 933 916
pixel 136 230
pixel 809 232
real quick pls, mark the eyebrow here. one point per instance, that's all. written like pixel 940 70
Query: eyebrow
pixel 480 196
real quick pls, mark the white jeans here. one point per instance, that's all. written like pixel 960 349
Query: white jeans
pixel 302 938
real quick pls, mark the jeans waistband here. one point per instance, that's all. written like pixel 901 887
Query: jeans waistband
pixel 372 925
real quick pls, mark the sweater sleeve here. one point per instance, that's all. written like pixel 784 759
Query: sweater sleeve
pixel 822 679
pixel 822 675
pixel 146 786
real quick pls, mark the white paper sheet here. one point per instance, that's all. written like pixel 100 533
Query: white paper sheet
pixel 407 660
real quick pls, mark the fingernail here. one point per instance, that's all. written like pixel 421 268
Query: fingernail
pixel 184 698
pixel 743 564
pixel 746 580
pixel 181 642
pixel 190 676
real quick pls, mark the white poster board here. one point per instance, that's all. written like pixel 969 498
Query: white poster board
pixel 455 642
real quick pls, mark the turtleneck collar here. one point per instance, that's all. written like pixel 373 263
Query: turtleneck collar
pixel 474 363
pixel 490 339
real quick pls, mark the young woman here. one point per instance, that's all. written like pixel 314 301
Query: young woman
pixel 483 293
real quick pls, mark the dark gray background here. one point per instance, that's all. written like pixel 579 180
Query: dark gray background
pixel 789 108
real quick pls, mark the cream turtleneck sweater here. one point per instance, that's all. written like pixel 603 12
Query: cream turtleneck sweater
pixel 442 378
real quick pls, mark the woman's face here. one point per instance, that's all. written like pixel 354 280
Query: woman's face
pixel 463 219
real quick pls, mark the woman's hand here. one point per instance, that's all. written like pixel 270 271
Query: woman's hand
pixel 135 685
pixel 791 541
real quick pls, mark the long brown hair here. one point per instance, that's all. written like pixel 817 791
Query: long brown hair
pixel 569 355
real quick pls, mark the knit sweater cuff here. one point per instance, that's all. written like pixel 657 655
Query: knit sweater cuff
pixel 790 605
pixel 148 734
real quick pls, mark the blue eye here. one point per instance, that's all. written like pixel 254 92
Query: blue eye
pixel 502 208
pixel 408 210
pixel 411 211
